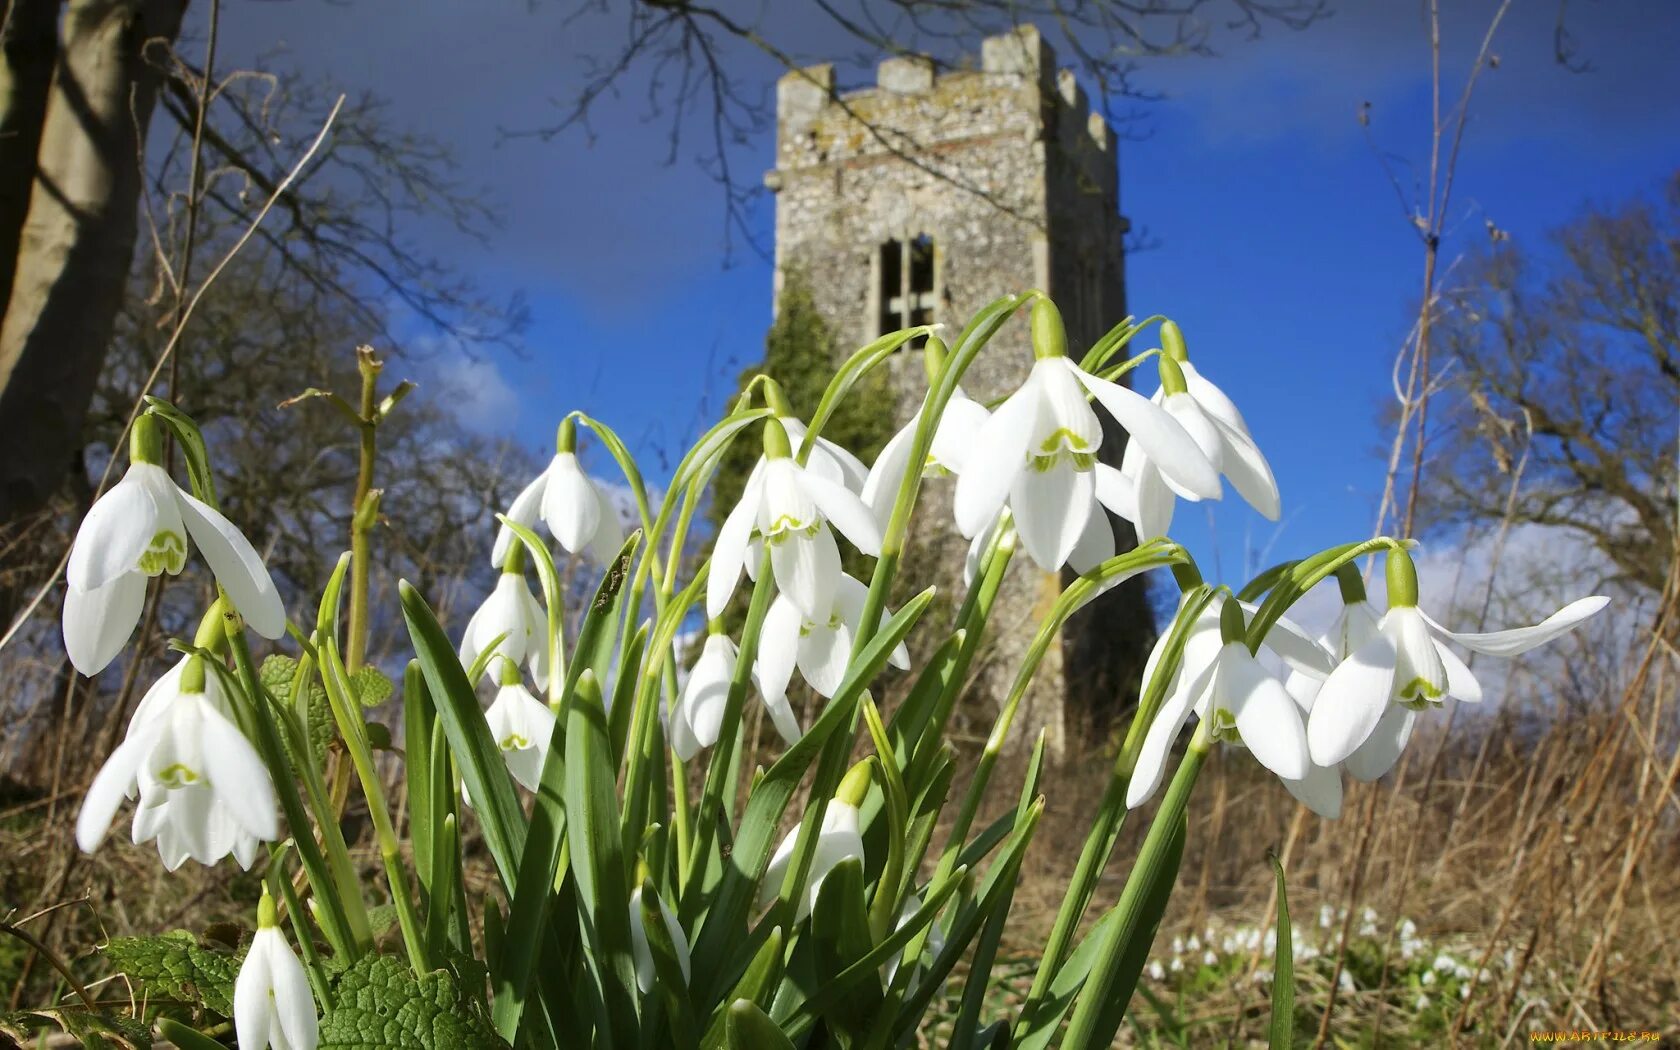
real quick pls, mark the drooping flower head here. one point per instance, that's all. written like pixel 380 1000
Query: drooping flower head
pixel 952 440
pixel 567 500
pixel 204 791
pixel 512 614
pixel 840 839
pixel 1040 451
pixel 143 527
pixel 522 727
pixel 697 718
pixel 1363 713
pixel 1219 678
pixel 790 507
pixel 819 648
pixel 273 1006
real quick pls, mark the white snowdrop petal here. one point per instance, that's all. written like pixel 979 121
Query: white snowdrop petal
pixel 238 776
pixel 525 509
pixel 729 551
pixel 1157 742
pixel 1000 448
pixel 570 507
pixel 1267 719
pixel 1461 681
pixel 1159 436
pixel 806 567
pixel 845 511
pixel 251 1003
pixel 1320 790
pixel 1245 466
pixel 778 646
pixel 1051 508
pixel 1378 754
pixel 98 623
pixel 1351 702
pixel 112 784
pixel 1519 640
pixel 236 565
pixel 880 488
pixel 115 533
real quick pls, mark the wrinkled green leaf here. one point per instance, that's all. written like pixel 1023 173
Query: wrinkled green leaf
pixel 176 966
pixel 380 1004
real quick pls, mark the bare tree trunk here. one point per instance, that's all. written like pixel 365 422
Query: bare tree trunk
pixel 77 240
pixel 28 48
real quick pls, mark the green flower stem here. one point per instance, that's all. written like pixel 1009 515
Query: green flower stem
pixel 1305 575
pixel 720 772
pixel 1094 1008
pixel 974 336
pixel 348 937
pixel 1111 811
pixel 366 504
pixel 640 749
pixel 1115 340
pixel 347 712
pixel 972 618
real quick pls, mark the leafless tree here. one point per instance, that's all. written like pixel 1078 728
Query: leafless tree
pixel 1577 341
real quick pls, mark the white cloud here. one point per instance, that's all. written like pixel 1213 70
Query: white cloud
pixel 475 391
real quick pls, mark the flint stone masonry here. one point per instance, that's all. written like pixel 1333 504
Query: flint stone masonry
pixel 1015 181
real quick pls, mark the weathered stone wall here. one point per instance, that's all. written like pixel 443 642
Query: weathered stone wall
pixel 1015 181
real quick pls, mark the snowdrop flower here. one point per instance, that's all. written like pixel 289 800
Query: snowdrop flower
pixel 1210 417
pixel 646 972
pixel 513 614
pixel 839 840
pixel 579 515
pixel 935 937
pixel 820 648
pixel 522 727
pixel 272 1003
pixel 697 718
pixel 791 507
pixel 1040 452
pixel 140 529
pixel 1210 959
pixel 1157 972
pixel 1224 681
pixel 1177 966
pixel 201 782
pixel 1364 712
pixel 958 427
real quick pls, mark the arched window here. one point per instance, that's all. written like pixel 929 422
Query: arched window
pixel 906 293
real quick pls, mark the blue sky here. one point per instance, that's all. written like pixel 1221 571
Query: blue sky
pixel 1283 250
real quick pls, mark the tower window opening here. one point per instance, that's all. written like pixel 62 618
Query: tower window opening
pixel 908 278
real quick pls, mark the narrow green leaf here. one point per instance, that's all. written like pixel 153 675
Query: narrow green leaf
pixel 598 861
pixel 1282 1032
pixel 474 749
pixel 756 985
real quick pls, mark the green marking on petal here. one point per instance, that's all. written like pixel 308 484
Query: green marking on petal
pixel 166 553
pixel 179 776
pixel 1064 438
pixel 514 742
pixel 1420 691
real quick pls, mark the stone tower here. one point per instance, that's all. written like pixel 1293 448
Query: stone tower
pixel 924 198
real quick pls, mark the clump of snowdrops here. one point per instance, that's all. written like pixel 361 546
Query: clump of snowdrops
pixel 645 898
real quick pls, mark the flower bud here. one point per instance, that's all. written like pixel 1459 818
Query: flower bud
pixel 1352 586
pixel 1049 335
pixel 774 399
pixel 565 438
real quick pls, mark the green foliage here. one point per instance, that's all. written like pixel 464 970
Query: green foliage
pixel 94 1031
pixel 800 353
pixel 370 686
pixel 176 967
pixel 381 1003
pixel 277 674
